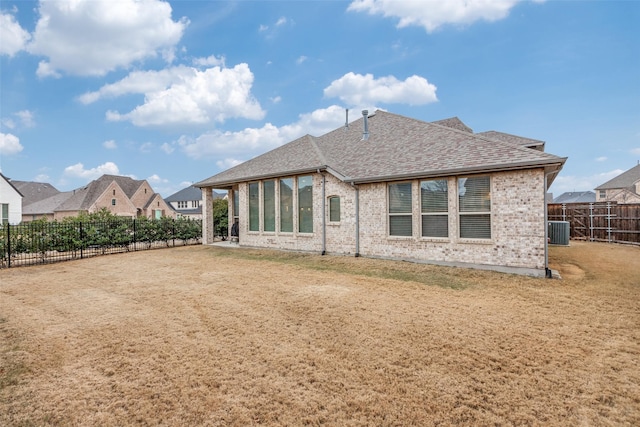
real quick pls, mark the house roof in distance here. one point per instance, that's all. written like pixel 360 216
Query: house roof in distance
pixel 34 191
pixel 83 197
pixel 576 197
pixel 624 180
pixel 189 193
pixel 397 148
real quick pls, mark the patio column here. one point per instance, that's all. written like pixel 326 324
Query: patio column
pixel 207 215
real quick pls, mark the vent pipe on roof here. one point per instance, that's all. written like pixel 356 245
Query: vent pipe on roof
pixel 346 120
pixel 365 131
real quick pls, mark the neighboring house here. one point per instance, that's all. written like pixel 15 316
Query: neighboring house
pixel 10 202
pixel 40 199
pixel 625 188
pixel 188 202
pixel 395 187
pixel 121 195
pixel 576 197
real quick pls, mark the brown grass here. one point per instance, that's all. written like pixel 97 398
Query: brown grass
pixel 208 336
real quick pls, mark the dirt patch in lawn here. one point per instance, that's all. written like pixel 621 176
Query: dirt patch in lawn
pixel 234 337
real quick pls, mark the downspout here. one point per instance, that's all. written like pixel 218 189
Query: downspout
pixel 357 206
pixel 324 214
pixel 547 271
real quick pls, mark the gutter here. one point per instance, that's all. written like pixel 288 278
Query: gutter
pixel 324 214
pixel 458 171
pixel 547 271
pixel 357 206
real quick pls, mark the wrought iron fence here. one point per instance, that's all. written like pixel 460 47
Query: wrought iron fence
pixel 41 242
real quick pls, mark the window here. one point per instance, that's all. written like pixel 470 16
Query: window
pixel 435 208
pixel 254 207
pixel 182 204
pixel 113 202
pixel 4 213
pixel 286 205
pixel 269 205
pixel 603 194
pixel 114 192
pixel 400 217
pixel 334 209
pixel 474 204
pixel 236 205
pixel 194 203
pixel 305 204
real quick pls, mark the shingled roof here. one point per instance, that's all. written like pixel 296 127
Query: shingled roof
pixel 514 139
pixel 82 198
pixel 398 148
pixel 624 180
pixel 34 191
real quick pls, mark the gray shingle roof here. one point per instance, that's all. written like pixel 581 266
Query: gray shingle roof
pixel 82 198
pixel 34 191
pixel 454 122
pixel 576 197
pixel 398 148
pixel 515 139
pixel 48 205
pixel 624 180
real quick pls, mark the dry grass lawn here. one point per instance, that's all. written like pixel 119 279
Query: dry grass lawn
pixel 236 337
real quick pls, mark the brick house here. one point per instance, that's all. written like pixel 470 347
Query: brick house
pixel 121 195
pixel 187 203
pixel 624 188
pixel 394 187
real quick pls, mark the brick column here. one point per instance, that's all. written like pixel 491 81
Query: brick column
pixel 207 216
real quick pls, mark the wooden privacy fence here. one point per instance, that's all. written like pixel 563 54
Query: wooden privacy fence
pixel 601 222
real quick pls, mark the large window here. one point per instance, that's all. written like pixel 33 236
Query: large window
pixel 269 205
pixel 474 205
pixel 334 209
pixel 305 204
pixel 400 217
pixel 286 205
pixel 254 206
pixel 435 208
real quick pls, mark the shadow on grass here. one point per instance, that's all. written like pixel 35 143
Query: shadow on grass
pixel 430 275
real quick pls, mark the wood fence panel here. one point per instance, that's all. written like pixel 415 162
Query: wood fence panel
pixel 604 222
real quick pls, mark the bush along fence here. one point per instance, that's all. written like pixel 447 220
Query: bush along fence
pixel 601 222
pixel 41 242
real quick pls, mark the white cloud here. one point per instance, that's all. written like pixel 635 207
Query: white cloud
pixel 167 148
pixel 210 61
pixel 601 159
pixel 155 179
pixel 146 147
pixel 43 177
pixel 281 21
pixel 301 59
pixel 433 14
pixel 78 171
pixel 8 123
pixel 635 151
pixel 228 163
pixel 93 37
pixel 276 99
pixel 9 144
pixel 565 183
pixel 185 96
pixel 14 37
pixel 263 28
pixel 251 142
pixel 358 89
pixel 45 69
pixel 26 117
pixel 110 144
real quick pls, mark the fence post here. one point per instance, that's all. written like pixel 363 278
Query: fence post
pixel 81 241
pixel 564 211
pixel 591 222
pixel 609 222
pixel 8 245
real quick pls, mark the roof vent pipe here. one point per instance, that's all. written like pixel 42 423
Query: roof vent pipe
pixel 365 131
pixel 346 121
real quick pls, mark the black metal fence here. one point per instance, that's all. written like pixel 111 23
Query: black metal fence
pixel 42 242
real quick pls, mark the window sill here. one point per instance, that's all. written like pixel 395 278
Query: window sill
pixel 476 241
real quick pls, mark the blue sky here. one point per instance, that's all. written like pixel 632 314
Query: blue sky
pixel 174 92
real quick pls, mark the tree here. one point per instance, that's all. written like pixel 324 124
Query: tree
pixel 220 216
